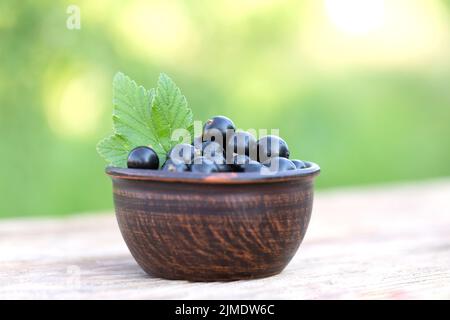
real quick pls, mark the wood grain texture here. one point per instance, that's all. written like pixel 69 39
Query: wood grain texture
pixel 390 242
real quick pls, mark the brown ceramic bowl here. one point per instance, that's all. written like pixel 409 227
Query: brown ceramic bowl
pixel 217 227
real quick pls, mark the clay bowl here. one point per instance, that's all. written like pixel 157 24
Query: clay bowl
pixel 217 227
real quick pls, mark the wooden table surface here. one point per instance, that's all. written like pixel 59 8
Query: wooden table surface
pixel 387 242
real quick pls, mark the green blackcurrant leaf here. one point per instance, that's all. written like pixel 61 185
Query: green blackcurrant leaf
pixel 114 149
pixel 132 112
pixel 144 118
pixel 170 111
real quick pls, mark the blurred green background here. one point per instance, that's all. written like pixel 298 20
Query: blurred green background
pixel 361 87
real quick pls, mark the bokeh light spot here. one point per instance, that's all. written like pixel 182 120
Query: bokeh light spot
pixel 75 108
pixel 409 34
pixel 158 29
pixel 356 16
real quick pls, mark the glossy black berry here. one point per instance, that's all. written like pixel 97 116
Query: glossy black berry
pixel 197 142
pixel 183 153
pixel 203 165
pixel 280 164
pixel 212 149
pixel 239 161
pixel 218 129
pixel 143 158
pixel 252 166
pixel 243 143
pixel 270 147
pixel 299 164
pixel 221 164
pixel 225 167
pixel 171 166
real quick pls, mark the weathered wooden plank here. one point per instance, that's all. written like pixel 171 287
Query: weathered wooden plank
pixel 383 242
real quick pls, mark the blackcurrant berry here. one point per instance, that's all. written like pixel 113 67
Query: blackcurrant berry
pixel 243 143
pixel 299 164
pixel 270 147
pixel 183 153
pixel 221 164
pixel 143 158
pixel 239 160
pixel 218 129
pixel 224 167
pixel 203 165
pixel 211 149
pixel 252 166
pixel 279 164
pixel 197 142
pixel 172 166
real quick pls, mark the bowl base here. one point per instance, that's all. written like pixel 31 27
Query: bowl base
pixel 215 278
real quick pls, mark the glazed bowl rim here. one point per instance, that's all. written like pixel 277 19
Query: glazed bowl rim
pixel 215 178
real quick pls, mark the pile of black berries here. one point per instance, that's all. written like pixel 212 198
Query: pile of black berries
pixel 220 149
